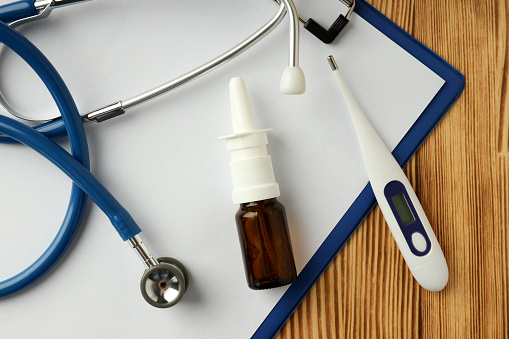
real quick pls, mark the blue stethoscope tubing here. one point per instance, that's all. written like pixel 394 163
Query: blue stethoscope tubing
pixel 17 10
pixel 76 165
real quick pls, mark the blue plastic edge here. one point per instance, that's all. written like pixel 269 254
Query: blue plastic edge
pixel 445 98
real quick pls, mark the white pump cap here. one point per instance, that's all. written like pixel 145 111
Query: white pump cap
pixel 251 167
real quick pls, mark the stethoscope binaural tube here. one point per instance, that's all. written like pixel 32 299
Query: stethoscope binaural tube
pixel 77 167
pixel 292 81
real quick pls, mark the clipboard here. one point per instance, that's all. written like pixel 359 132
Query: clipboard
pixel 177 184
pixel 435 111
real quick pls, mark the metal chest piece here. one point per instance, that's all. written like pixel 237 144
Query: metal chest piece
pixel 164 284
pixel 165 280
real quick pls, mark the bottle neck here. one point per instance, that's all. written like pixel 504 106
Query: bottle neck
pixel 259 202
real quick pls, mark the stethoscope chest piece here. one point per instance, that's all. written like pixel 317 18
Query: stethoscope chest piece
pixel 164 284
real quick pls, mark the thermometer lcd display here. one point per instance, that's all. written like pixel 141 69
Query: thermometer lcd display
pixel 403 209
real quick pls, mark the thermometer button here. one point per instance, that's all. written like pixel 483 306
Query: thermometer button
pixel 419 242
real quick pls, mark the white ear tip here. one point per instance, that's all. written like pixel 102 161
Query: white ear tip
pixel 293 81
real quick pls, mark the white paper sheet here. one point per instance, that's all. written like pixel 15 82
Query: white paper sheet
pixel 164 163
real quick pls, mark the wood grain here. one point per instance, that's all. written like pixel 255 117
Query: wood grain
pixel 461 175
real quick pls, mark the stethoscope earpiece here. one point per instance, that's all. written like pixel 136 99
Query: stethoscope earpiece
pixel 164 284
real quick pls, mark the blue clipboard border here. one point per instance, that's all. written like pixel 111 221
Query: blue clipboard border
pixel 445 98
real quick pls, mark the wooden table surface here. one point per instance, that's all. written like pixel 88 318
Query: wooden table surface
pixel 461 176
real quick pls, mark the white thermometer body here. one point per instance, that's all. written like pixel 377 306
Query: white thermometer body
pixel 397 200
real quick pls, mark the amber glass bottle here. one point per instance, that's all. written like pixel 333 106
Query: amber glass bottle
pixel 266 246
pixel 261 219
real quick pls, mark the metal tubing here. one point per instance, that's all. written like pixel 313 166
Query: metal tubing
pixel 284 7
pixel 211 65
pixel 42 4
pixel 137 244
pixel 293 54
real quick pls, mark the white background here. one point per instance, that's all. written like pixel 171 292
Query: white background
pixel 163 162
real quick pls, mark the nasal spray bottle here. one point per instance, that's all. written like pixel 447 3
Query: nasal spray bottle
pixel 261 219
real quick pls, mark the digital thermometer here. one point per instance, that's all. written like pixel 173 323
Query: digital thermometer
pixel 397 200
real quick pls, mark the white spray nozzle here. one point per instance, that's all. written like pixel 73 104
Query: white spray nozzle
pixel 293 81
pixel 251 166
pixel 242 116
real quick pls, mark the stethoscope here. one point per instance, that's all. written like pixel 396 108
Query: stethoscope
pixel 165 279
